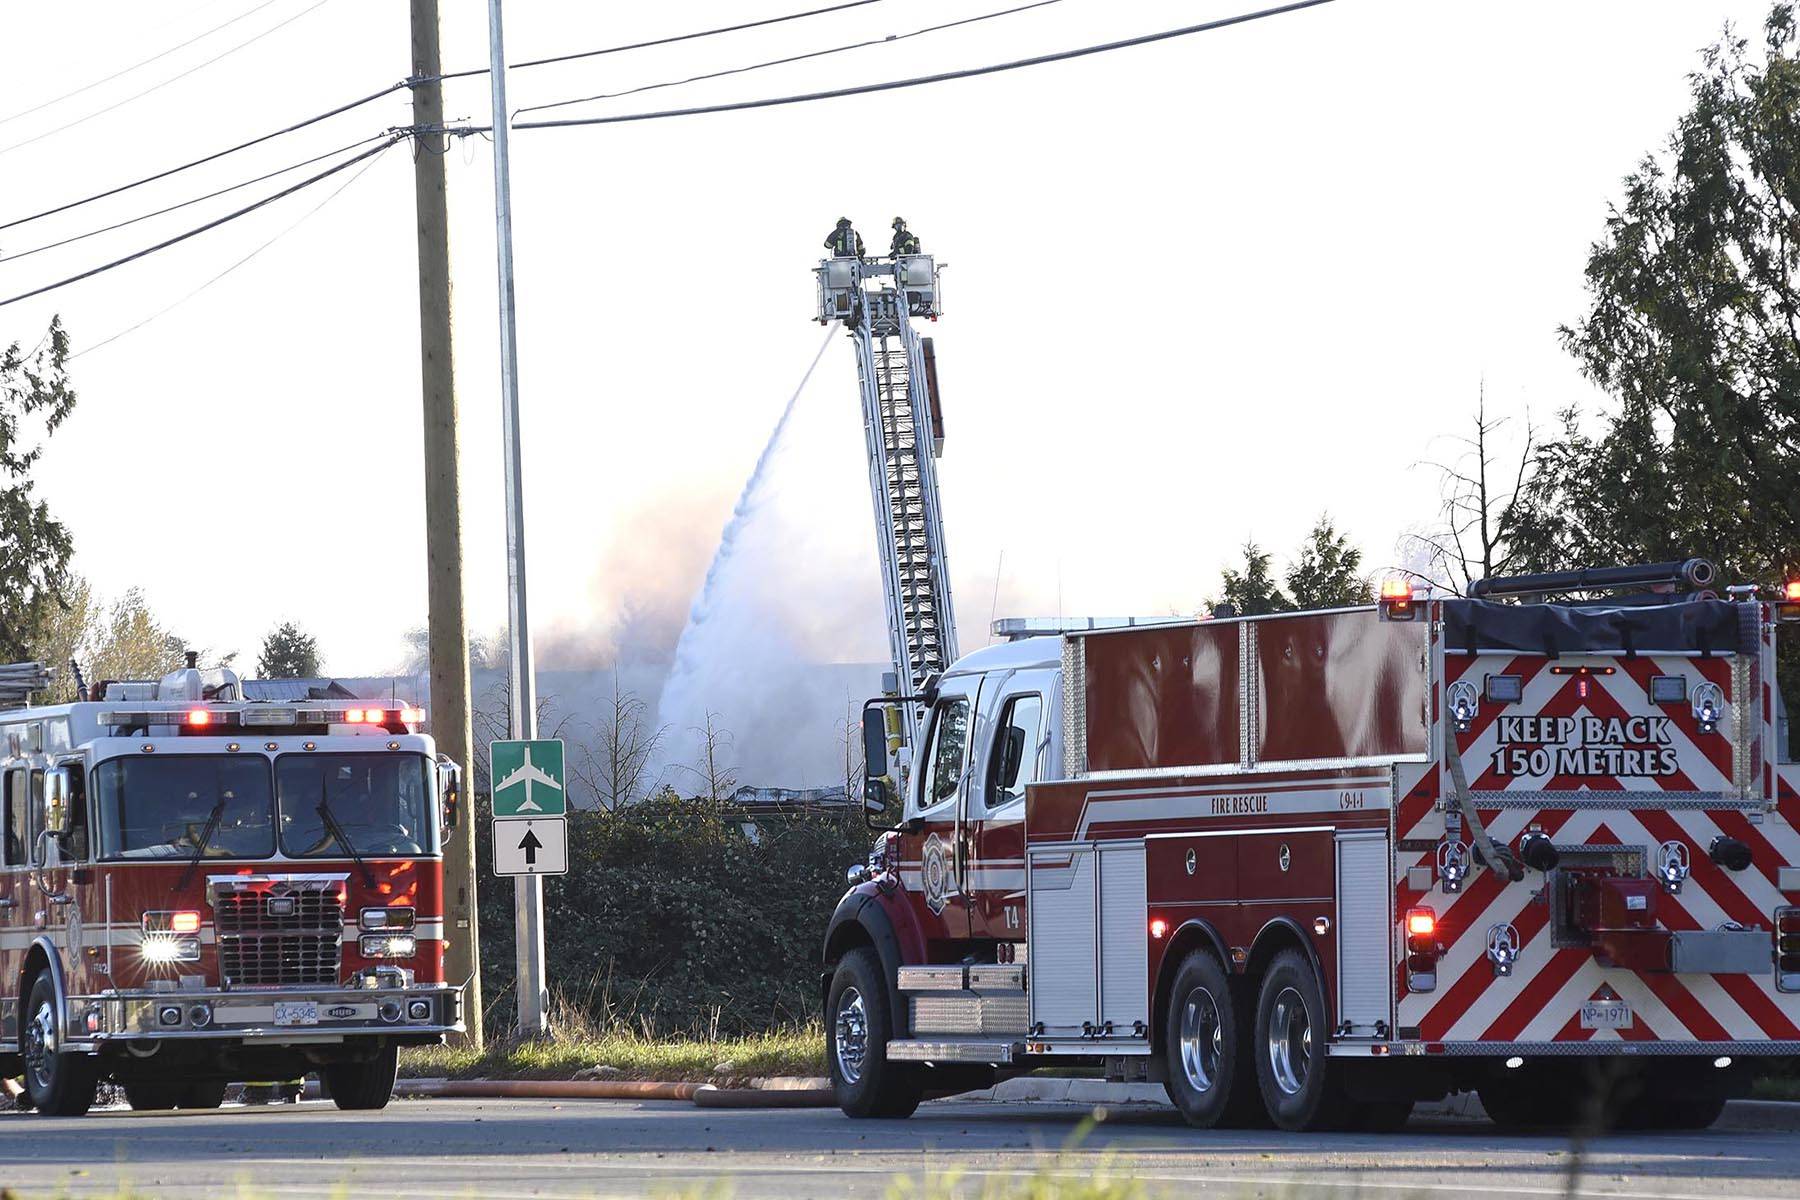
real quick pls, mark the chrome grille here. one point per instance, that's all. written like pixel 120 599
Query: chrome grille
pixel 280 936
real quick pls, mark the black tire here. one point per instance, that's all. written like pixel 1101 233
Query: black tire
pixel 1292 1068
pixel 203 1093
pixel 1649 1113
pixel 1204 1045
pixel 59 1083
pixel 152 1096
pixel 858 1027
pixel 365 1085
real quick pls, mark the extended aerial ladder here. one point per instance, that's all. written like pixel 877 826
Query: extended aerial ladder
pixel 876 300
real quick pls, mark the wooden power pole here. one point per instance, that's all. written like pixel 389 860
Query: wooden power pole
pixel 448 635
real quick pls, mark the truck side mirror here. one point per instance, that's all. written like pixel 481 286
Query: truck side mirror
pixel 878 803
pixel 449 777
pixel 57 788
pixel 874 735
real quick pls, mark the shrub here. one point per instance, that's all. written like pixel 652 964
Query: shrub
pixel 675 920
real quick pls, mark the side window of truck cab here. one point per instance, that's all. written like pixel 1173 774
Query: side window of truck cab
pixel 949 748
pixel 1013 761
pixel 34 820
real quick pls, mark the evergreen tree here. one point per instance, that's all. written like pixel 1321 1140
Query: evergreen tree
pixel 1253 591
pixel 35 398
pixel 288 653
pixel 1327 570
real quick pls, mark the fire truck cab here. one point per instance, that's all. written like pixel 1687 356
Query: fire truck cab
pixel 1316 867
pixel 195 888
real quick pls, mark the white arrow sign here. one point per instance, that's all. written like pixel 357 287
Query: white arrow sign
pixel 531 846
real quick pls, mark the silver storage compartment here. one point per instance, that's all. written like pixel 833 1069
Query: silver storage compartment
pixel 1061 941
pixel 1124 940
pixel 1365 931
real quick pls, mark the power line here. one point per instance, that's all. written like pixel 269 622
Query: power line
pixel 143 62
pixel 255 141
pixel 306 216
pixel 895 84
pixel 778 62
pixel 80 237
pixel 213 224
pixel 165 83
pixel 407 83
pixel 663 41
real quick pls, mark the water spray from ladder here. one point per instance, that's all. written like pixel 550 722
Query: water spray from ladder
pixel 701 658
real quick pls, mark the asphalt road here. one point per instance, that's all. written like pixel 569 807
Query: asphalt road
pixel 442 1149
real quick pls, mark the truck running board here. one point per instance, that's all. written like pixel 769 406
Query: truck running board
pixel 990 1053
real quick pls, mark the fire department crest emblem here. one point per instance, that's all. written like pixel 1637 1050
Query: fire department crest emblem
pixel 935 873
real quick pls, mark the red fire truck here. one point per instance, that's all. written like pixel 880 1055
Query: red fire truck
pixel 1313 868
pixel 195 888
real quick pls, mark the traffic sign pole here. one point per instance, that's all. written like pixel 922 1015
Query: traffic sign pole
pixel 528 891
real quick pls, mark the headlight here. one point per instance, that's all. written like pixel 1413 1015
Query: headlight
pixel 388 945
pixel 163 948
pixel 387 918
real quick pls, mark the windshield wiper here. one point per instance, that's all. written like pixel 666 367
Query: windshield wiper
pixel 213 821
pixel 343 839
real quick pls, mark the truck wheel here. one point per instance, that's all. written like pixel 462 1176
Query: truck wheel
pixel 203 1093
pixel 1656 1113
pixel 1203 1043
pixel 60 1083
pixel 145 1096
pixel 1292 1069
pixel 858 1027
pixel 363 1085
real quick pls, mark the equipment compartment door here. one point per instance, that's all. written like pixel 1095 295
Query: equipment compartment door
pixel 1364 931
pixel 1061 936
pixel 1124 941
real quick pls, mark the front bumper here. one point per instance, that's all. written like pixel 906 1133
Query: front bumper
pixel 418 1011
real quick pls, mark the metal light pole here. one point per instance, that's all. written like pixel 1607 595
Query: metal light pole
pixel 528 890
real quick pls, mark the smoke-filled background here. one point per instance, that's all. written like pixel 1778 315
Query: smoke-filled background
pixel 727 600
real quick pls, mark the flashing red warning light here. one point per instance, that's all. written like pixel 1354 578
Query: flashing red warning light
pixel 184 922
pixel 1420 922
pixel 1159 928
pixel 1396 589
pixel 1791 592
pixel 199 716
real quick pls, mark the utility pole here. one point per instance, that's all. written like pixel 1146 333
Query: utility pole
pixel 528 890
pixel 446 632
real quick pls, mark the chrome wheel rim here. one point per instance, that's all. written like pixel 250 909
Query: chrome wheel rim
pixel 1290 1042
pixel 1202 1039
pixel 40 1044
pixel 850 1035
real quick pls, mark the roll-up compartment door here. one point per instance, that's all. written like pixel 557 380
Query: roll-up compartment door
pixel 1364 931
pixel 1062 939
pixel 1124 940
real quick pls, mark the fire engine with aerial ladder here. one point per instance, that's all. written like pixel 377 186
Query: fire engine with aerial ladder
pixel 1537 841
pixel 196 887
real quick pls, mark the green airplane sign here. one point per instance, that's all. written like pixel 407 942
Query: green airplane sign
pixel 528 778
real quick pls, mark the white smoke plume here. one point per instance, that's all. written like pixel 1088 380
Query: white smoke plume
pixel 744 655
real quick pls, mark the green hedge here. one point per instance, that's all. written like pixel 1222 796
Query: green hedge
pixel 673 920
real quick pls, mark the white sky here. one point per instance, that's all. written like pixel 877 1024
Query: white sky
pixel 1195 291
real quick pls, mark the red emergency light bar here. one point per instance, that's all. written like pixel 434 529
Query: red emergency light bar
pixel 264 716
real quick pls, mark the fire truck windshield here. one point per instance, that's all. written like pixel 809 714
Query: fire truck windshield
pixel 156 808
pixel 380 802
pixel 159 807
